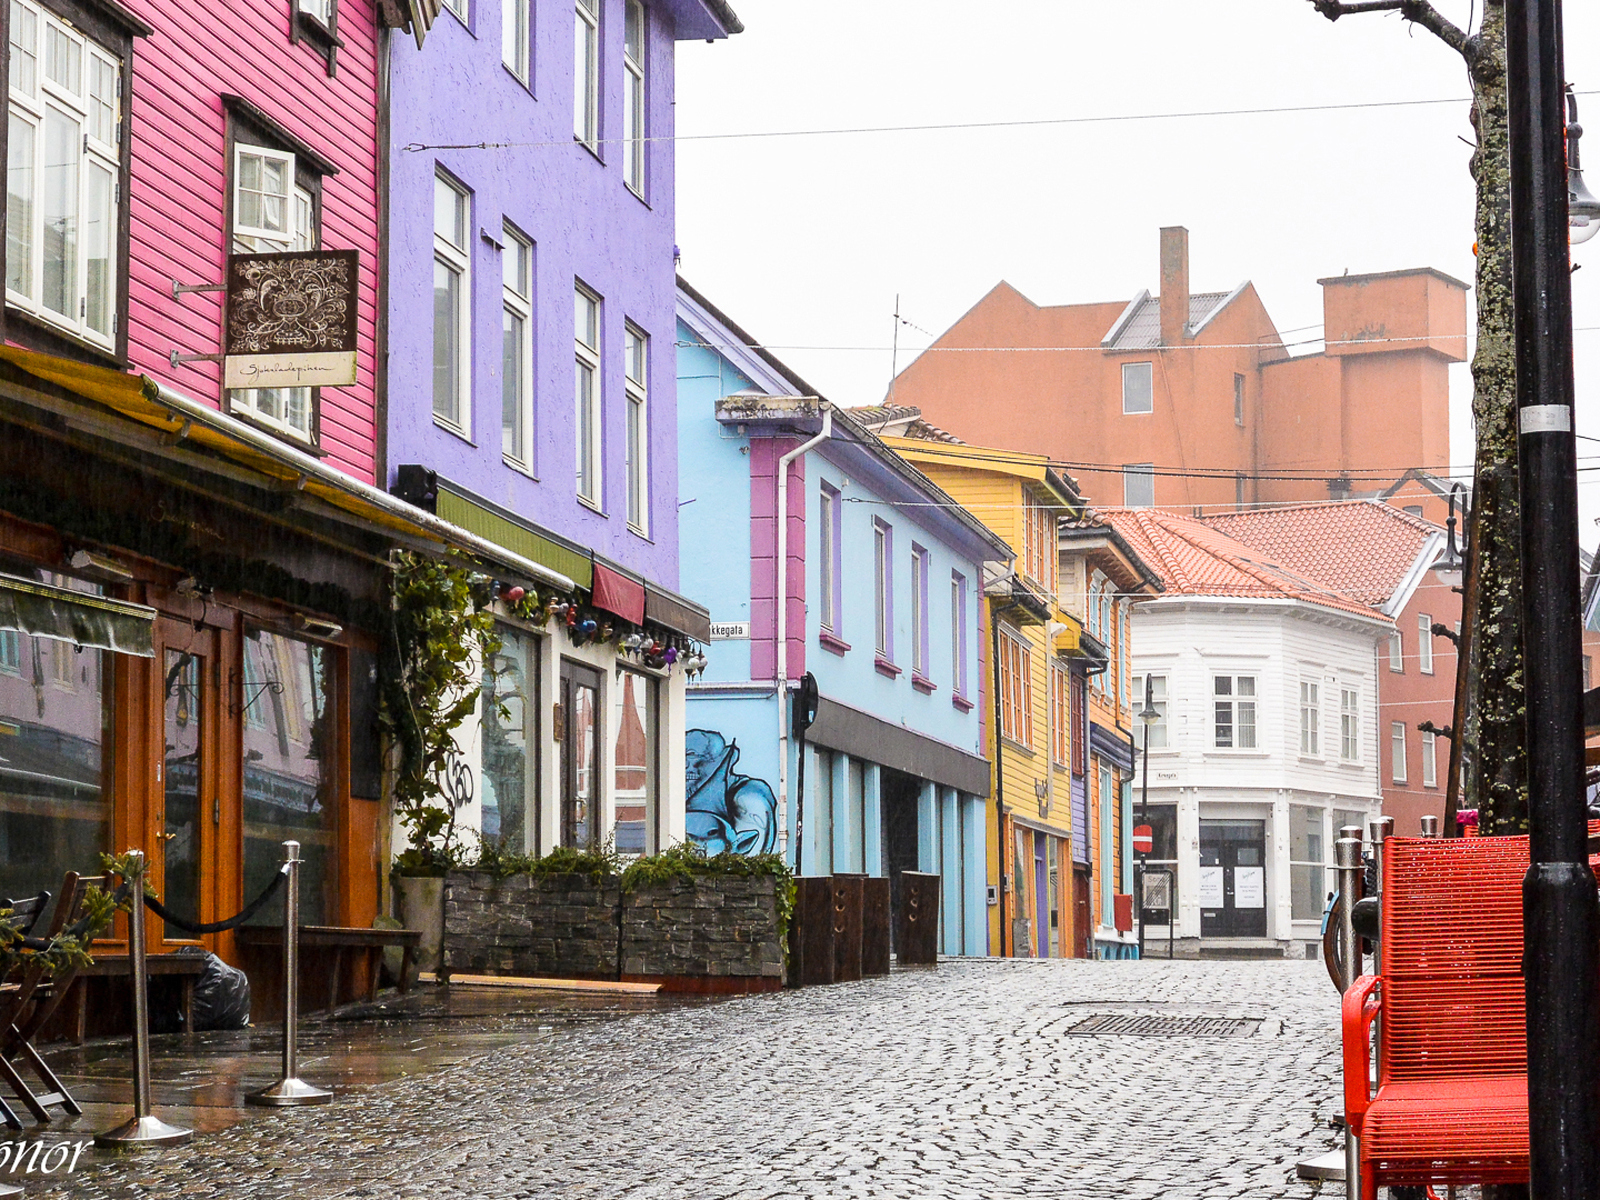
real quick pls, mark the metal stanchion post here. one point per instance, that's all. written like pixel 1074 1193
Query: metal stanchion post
pixel 1380 830
pixel 145 1129
pixel 1347 851
pixel 290 1089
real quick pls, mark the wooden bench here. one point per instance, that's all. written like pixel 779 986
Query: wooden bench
pixel 341 943
pixel 1451 1104
pixel 186 967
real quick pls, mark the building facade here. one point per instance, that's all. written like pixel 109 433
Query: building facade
pixel 1187 399
pixel 803 531
pixel 1268 739
pixel 532 382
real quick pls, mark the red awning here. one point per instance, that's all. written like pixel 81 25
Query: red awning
pixel 616 593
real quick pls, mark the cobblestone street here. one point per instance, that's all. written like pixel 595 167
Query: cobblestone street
pixel 959 1082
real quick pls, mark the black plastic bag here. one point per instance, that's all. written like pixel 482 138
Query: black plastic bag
pixel 221 996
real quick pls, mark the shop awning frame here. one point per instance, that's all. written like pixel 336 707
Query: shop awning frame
pixel 93 622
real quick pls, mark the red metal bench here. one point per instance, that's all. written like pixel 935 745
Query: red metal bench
pixel 1451 1104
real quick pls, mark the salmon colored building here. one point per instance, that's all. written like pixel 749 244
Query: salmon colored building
pixel 1187 399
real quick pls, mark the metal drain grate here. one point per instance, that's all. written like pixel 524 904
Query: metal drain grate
pixel 1154 1025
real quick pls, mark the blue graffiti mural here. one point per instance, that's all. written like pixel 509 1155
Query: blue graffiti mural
pixel 726 811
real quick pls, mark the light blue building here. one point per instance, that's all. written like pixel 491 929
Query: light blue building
pixel 884 575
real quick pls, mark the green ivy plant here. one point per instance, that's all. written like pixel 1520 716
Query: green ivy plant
pixel 69 949
pixel 440 631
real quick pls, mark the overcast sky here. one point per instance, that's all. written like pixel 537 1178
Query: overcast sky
pixel 805 241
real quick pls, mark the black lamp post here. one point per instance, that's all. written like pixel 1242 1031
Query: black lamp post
pixel 1149 714
pixel 1561 919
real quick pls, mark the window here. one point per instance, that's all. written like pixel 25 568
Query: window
pixel 515 28
pixel 63 172
pixel 1060 715
pixel 633 721
pixel 586 74
pixel 1016 689
pixel 1425 643
pixel 1139 485
pixel 1039 542
pixel 322 10
pixel 1239 490
pixel 1588 668
pixel 883 590
pixel 1430 760
pixel 1234 703
pixel 459 7
pixel 1397 652
pixel 1158 727
pixel 1080 736
pixel 636 366
pixel 919 612
pixel 586 326
pixel 1136 389
pixel 510 710
pixel 1397 738
pixel 828 558
pixel 1310 719
pixel 1306 863
pixel 633 96
pixel 516 348
pixel 273 211
pixel 1108 886
pixel 451 303
pixel 1349 724
pixel 958 634
pixel 1238 399
pixel 10 652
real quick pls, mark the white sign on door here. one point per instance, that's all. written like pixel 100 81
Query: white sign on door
pixel 1249 887
pixel 1210 887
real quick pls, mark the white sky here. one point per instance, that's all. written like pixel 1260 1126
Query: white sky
pixel 805 241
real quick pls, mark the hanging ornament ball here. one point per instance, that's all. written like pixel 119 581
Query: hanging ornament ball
pixel 671 655
pixel 516 594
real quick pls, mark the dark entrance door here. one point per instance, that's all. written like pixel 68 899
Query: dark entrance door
pixel 1080 913
pixel 898 798
pixel 578 748
pixel 1233 879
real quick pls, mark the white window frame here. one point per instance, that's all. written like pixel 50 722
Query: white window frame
pixel 635 100
pixel 636 389
pixel 1242 734
pixel 1397 751
pixel 319 10
pixel 1349 724
pixel 461 8
pixel 827 557
pixel 1430 759
pixel 32 109
pixel 1158 701
pixel 958 634
pixel 1397 652
pixel 281 238
pixel 516 38
pixel 1238 399
pixel 457 259
pixel 1145 473
pixel 586 74
pixel 919 611
pixel 588 409
pixel 518 305
pixel 1310 718
pixel 1060 716
pixel 883 590
pixel 1016 694
pixel 1425 643
pixel 1133 371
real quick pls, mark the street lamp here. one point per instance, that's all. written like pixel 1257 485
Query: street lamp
pixel 1447 568
pixel 1149 714
pixel 1583 210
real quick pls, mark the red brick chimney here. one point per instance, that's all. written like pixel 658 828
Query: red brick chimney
pixel 1174 285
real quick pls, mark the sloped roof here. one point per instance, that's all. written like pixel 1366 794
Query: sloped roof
pixel 1193 559
pixel 1362 549
pixel 1141 328
pixel 902 420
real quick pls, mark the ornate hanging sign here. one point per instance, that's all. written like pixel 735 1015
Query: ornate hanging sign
pixel 291 320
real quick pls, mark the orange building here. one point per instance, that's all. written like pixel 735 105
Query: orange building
pixel 1189 399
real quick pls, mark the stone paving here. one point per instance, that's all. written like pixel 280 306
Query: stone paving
pixel 956 1082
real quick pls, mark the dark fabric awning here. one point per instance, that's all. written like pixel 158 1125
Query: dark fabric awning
pixel 93 622
pixel 676 613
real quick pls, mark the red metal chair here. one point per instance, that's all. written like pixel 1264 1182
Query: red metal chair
pixel 1451 1104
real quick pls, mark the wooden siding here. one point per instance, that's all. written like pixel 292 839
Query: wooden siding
pixel 177 206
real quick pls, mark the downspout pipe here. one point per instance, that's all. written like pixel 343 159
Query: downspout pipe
pixel 781 657
pixel 312 468
pixel 999 777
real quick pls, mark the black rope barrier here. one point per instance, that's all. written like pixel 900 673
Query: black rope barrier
pixel 202 927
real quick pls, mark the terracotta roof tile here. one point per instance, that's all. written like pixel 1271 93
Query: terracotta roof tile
pixel 1195 559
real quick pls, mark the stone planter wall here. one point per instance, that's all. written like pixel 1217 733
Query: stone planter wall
pixel 712 934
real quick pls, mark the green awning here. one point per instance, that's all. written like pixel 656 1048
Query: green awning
pixel 515 535
pixel 93 622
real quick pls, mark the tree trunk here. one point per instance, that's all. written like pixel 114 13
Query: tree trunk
pixel 1496 783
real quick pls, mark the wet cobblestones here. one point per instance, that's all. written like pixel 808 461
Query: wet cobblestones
pixel 954 1083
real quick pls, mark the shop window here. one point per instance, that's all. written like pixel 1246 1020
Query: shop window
pixel 290 768
pixel 511 742
pixel 1163 856
pixel 633 724
pixel 55 811
pixel 1307 860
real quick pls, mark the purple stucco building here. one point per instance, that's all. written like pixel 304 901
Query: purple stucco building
pixel 531 387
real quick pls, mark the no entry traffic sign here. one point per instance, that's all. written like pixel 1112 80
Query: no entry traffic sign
pixel 1143 841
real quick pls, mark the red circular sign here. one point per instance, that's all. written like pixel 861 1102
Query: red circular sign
pixel 1143 840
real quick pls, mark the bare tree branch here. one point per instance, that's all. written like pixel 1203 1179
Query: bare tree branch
pixel 1418 11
